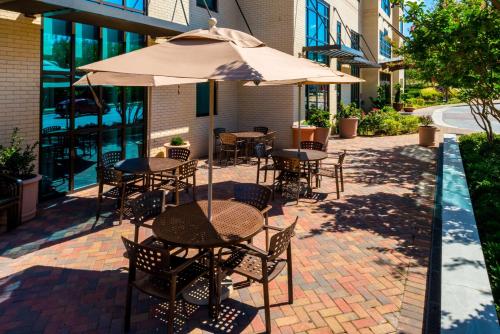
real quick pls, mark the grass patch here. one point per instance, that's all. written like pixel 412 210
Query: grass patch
pixel 482 167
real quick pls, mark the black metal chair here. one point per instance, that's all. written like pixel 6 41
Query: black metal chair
pixel 217 142
pixel 144 208
pixel 289 178
pixel 179 180
pixel 162 275
pixel 257 196
pixel 311 145
pixel 262 129
pixel 179 153
pixel 10 200
pixel 262 151
pixel 262 266
pixel 122 185
pixel 230 146
pixel 333 170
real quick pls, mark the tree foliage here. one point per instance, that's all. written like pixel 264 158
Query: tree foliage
pixel 457 44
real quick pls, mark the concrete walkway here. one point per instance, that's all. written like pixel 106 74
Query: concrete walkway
pixel 360 263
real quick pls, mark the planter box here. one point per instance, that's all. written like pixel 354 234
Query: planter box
pixel 306 134
pixel 409 109
pixel 348 127
pixel 427 135
pixel 29 198
pixel 321 135
pixel 398 106
pixel 168 146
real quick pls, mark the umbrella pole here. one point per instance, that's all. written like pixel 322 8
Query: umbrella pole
pixel 299 110
pixel 210 146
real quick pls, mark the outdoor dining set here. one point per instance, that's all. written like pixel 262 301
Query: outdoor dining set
pixel 184 247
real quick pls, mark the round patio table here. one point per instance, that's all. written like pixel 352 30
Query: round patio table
pixel 187 226
pixel 249 137
pixel 303 155
pixel 147 166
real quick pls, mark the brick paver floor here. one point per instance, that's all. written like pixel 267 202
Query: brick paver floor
pixel 360 263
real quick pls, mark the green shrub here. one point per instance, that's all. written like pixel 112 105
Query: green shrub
pixel 409 124
pixel 319 118
pixel 391 127
pixel 430 94
pixel 16 160
pixel 177 141
pixel 482 168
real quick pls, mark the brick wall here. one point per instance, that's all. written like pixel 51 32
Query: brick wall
pixel 19 76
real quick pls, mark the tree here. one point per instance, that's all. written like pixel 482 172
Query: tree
pixel 457 44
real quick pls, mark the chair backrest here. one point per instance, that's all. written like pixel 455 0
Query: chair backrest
pixel 260 150
pixel 218 131
pixel 269 138
pixel 311 145
pixel 188 169
pixel 147 206
pixel 109 159
pixel 179 153
pixel 253 194
pixel 151 260
pixel 107 171
pixel 286 164
pixel 50 129
pixel 279 242
pixel 342 157
pixel 227 138
pixel 263 129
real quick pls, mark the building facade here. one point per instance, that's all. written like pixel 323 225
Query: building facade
pixel 43 43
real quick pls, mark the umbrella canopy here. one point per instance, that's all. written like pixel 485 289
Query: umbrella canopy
pixel 217 53
pixel 132 80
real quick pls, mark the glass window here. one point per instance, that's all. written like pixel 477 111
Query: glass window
pixel 114 2
pixel 86 44
pixel 385 44
pixel 134 104
pixel 85 158
pixel 134 41
pixel 202 99
pixel 354 40
pixel 112 43
pixel 112 99
pixel 355 87
pixel 86 109
pixel 211 4
pixel 134 141
pixel 317 27
pixel 111 140
pixel 56 45
pixel 386 6
pixel 54 164
pixel 339 33
pixel 56 102
pixel 135 5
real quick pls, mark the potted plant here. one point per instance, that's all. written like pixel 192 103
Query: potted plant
pixel 306 133
pixel 426 132
pixel 176 141
pixel 19 163
pixel 348 118
pixel 408 106
pixel 397 105
pixel 321 120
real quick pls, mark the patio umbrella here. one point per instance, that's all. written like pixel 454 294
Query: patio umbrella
pixel 339 78
pixel 216 54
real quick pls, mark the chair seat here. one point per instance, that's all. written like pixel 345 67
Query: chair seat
pixel 170 184
pixel 326 172
pixel 160 288
pixel 244 263
pixel 130 189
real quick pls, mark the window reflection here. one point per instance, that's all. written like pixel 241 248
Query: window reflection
pixel 56 45
pixel 85 161
pixel 135 105
pixel 86 109
pixel 112 100
pixel 86 44
pixel 112 43
pixel 55 102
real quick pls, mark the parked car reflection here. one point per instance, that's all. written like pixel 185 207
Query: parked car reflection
pixel 83 106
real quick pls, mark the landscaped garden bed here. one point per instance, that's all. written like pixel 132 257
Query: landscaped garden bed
pixel 481 164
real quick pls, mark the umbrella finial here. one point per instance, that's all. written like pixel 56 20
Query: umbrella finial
pixel 212 22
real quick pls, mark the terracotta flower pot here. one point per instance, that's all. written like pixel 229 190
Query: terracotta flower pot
pixel 348 127
pixel 427 135
pixel 398 106
pixel 168 146
pixel 321 135
pixel 29 198
pixel 306 133
pixel 409 109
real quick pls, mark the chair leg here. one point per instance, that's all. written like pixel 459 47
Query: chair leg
pixel 342 178
pixel 194 187
pixel 171 306
pixel 235 156
pixel 258 170
pixel 136 234
pixel 265 169
pixel 128 308
pixel 177 195
pixel 267 306
pixel 289 273
pixel 337 181
pixel 266 221
pixel 122 201
pixel 99 201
